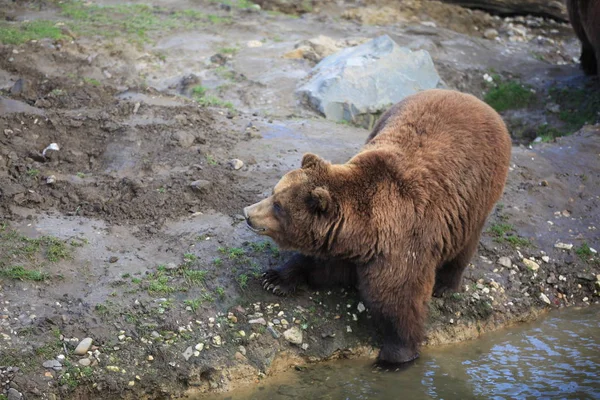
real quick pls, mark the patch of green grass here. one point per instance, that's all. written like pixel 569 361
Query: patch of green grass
pixel 220 290
pixel 159 284
pixel 584 251
pixel 577 106
pixel 33 172
pixel 548 133
pixel 232 252
pixel 229 50
pixel 508 95
pixel 211 160
pixel 198 91
pixel 92 81
pixel 218 261
pixel 22 274
pixel 80 175
pixel 189 257
pixel 242 280
pixel 74 375
pixel 15 33
pixel 235 3
pixel 208 297
pixel 194 304
pixel 517 241
pixel 195 277
pixel 213 101
pixel 225 73
pixel 501 229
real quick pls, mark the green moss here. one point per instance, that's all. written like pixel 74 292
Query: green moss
pixel 20 32
pixel 584 251
pixel 577 106
pixel 509 95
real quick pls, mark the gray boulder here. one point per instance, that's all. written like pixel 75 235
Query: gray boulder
pixel 359 83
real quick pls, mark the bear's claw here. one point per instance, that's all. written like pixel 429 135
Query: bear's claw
pixel 272 282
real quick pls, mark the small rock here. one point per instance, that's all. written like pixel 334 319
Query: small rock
pixel 546 259
pixel 217 340
pixel 236 164
pixel 52 364
pixel 348 329
pixel 83 347
pixel 293 335
pixel 239 356
pixel 188 353
pixel 505 262
pixel 545 298
pixel 532 265
pixel 254 43
pixel 585 299
pixel 490 34
pixel 13 394
pixel 360 307
pixel 564 246
pixel 85 362
pixel 276 321
pixel 553 108
pixel 200 346
pixel 50 180
pixel 304 346
pixel 258 321
pixel 242 350
pixel 273 332
pixel 200 184
pixel 113 259
pixel 150 358
pixel 136 107
pixel 184 139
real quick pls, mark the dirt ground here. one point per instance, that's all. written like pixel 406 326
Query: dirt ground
pixel 171 118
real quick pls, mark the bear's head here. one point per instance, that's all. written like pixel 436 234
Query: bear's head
pixel 303 208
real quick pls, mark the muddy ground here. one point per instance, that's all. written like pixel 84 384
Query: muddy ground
pixel 170 119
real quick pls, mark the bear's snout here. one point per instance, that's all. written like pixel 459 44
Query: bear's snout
pixel 253 218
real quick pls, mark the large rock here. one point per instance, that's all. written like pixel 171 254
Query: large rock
pixel 544 8
pixel 358 83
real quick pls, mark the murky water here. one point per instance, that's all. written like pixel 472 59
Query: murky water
pixel 554 358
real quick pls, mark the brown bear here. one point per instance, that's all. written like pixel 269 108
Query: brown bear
pixel 585 19
pixel 401 219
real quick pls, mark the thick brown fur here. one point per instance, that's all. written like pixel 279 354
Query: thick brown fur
pixel 401 219
pixel 585 19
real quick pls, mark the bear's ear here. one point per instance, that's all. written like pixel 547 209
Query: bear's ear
pixel 312 161
pixel 320 200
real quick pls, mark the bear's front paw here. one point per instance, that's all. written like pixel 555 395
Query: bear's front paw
pixel 274 282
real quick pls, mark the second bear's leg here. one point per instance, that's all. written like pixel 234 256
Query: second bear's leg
pixel 284 279
pixel 397 297
pixel 449 276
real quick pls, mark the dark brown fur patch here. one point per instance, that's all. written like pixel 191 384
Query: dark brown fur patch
pixel 585 19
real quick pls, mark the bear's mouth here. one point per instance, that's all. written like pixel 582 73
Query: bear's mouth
pixel 253 229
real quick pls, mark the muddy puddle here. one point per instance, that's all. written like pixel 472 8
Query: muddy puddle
pixel 555 357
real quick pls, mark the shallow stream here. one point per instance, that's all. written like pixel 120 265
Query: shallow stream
pixel 557 357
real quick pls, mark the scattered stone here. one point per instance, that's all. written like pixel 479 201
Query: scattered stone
pixel 564 246
pixel 276 321
pixel 85 362
pixel 52 364
pixel 360 307
pixel 239 356
pixel 585 299
pixel 200 346
pixel 545 298
pixel 188 353
pixel 293 335
pixel 254 44
pixel 184 139
pixel 553 108
pixel 136 107
pixel 200 184
pixel 304 346
pixel 150 358
pixel 51 179
pixel 273 332
pixel 217 340
pixel 359 82
pixel 532 265
pixel 236 164
pixel 551 279
pixel 131 383
pixel 14 394
pixel 83 347
pixel 546 259
pixel 490 34
pixel 505 262
pixel 348 329
pixel 258 321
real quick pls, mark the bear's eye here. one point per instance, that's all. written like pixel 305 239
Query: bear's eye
pixel 277 207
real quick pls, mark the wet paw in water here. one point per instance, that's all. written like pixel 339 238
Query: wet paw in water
pixel 273 282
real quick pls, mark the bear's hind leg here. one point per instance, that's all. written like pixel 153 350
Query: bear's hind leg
pixel 284 279
pixel 449 276
pixel 589 60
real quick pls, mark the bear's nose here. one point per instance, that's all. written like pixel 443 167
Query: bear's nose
pixel 246 213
